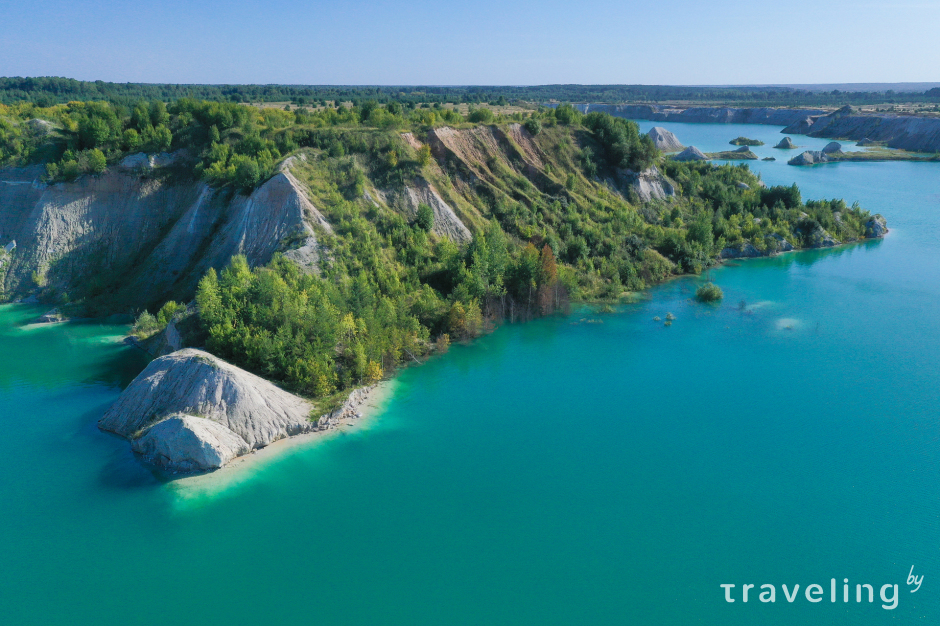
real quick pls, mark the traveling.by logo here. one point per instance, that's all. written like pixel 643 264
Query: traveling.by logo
pixel 815 593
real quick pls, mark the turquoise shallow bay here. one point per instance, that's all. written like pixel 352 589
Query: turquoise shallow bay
pixel 557 472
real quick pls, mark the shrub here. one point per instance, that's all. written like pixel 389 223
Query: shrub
pixel 709 292
pixel 424 219
pixel 483 115
pixel 169 311
pixel 533 126
pixel 145 325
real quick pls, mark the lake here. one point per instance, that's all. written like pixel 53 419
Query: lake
pixel 600 468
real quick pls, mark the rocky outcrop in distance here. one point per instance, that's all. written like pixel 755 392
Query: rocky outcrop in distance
pixel 905 132
pixel 664 140
pixel 786 144
pixel 704 115
pixel 813 157
pixel 691 154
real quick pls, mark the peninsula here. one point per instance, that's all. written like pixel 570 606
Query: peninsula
pixel 282 257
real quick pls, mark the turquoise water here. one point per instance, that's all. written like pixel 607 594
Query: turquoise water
pixel 596 469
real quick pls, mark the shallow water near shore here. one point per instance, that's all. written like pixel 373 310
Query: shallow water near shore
pixel 554 472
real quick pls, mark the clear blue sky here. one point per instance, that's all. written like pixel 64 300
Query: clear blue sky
pixel 446 42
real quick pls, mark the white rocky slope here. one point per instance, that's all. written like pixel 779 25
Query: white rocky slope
pixel 446 222
pixel 664 140
pixel 193 411
pixel 144 236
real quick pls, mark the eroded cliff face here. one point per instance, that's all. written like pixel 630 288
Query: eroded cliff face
pixel 139 239
pixel 917 134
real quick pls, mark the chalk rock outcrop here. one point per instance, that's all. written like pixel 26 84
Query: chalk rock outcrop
pixel 189 444
pixel 145 238
pixel 810 157
pixel 786 144
pixel 691 154
pixel 212 404
pixel 832 147
pixel 664 140
pixel 446 222
pixel 650 184
pixel 800 127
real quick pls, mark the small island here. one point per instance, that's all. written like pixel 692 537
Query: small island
pixel 744 141
pixel 741 154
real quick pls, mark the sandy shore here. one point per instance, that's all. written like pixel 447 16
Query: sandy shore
pixel 239 470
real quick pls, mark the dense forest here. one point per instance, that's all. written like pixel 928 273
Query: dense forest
pixel 46 91
pixel 391 290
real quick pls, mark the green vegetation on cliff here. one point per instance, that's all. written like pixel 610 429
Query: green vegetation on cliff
pixel 439 225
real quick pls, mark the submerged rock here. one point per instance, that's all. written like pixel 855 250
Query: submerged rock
pixel 212 404
pixel 691 154
pixel 51 317
pixel 664 140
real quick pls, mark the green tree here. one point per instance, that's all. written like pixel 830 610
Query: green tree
pixel 158 113
pixel 424 218
pixel 96 161
pixel 533 125
pixel 162 138
pixel 424 155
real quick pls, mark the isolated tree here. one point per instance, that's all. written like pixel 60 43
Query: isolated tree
pixel 424 219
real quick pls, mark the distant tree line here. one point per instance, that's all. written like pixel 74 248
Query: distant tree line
pixel 47 91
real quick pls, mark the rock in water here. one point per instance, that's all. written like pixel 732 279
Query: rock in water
pixel 691 154
pixel 189 410
pixel 831 147
pixel 876 226
pixel 810 157
pixel 188 443
pixel 664 140
pixel 786 144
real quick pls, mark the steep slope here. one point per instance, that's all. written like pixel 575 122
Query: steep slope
pixel 917 134
pixel 664 140
pixel 138 238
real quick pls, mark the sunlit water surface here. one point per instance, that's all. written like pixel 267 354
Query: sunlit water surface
pixel 595 469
